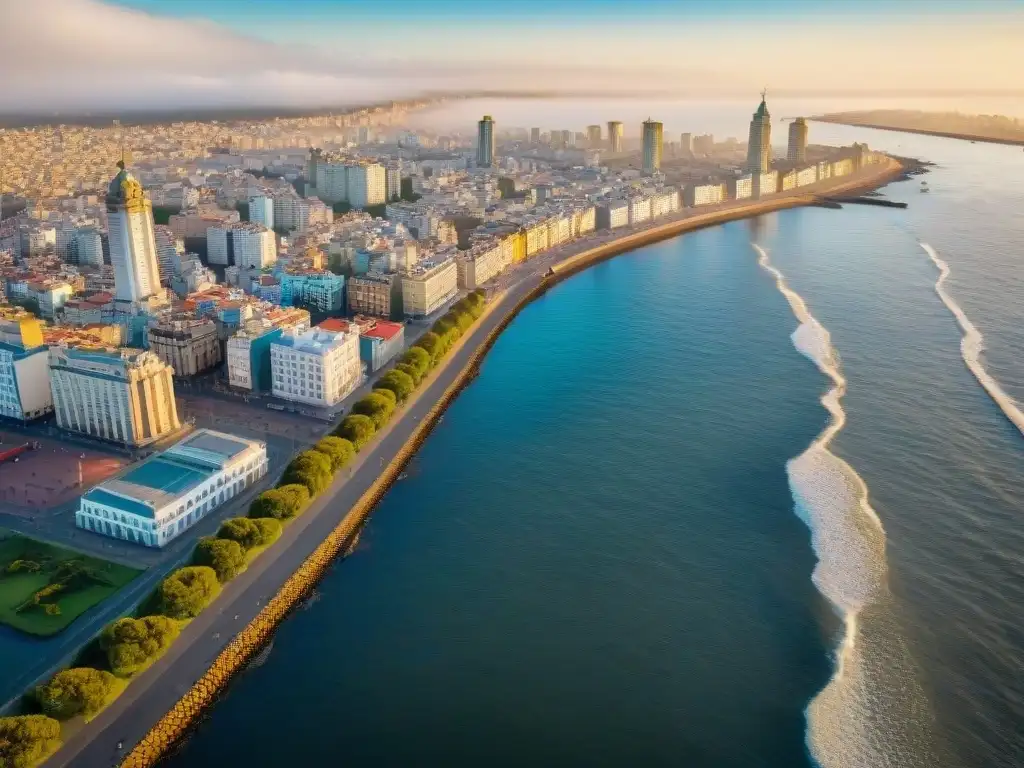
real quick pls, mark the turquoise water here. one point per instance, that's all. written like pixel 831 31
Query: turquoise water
pixel 615 550
pixel 594 559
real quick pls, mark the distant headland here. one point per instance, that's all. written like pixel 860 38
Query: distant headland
pixel 993 129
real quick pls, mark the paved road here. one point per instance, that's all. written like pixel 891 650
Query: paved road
pixel 159 688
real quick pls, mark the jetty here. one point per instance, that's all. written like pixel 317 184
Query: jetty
pixel 864 200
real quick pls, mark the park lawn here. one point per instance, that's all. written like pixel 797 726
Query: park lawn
pixel 16 588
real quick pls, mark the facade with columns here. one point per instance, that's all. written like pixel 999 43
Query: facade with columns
pixel 122 395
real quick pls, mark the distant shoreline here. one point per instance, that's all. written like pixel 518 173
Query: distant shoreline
pixel 922 131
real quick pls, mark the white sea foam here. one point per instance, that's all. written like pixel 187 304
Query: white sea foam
pixel 972 344
pixel 850 724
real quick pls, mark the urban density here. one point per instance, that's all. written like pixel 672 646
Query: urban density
pixel 231 252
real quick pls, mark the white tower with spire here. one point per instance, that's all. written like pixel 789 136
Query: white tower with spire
pixel 759 147
pixel 132 241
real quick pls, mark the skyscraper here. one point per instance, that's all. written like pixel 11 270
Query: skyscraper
pixel 594 136
pixel 535 135
pixel 686 144
pixel 132 240
pixel 615 136
pixel 652 136
pixel 797 141
pixel 485 143
pixel 759 148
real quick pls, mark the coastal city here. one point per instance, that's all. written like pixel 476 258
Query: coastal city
pixel 193 312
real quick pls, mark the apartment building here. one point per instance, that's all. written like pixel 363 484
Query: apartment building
pixel 316 367
pixel 429 286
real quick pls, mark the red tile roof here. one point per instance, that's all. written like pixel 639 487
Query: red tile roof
pixel 384 330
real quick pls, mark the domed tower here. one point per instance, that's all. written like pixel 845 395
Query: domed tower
pixel 132 241
pixel 759 148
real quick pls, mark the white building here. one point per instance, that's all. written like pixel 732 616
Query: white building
pixel 24 366
pixel 344 180
pixel 218 244
pixel 639 209
pixel 88 247
pixel 132 241
pixel 612 214
pixel 705 194
pixel 261 210
pixel 169 250
pixel 121 395
pixel 665 202
pixel 156 501
pixel 315 367
pixel 480 264
pixel 429 286
pixel 742 187
pixel 254 245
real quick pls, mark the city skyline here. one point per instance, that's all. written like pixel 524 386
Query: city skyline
pixel 91 54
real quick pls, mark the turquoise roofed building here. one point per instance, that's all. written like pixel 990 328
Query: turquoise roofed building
pixel 156 501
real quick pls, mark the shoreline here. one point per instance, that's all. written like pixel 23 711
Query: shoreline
pixel 163 704
pixel 923 132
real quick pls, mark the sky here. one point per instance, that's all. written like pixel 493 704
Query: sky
pixel 69 55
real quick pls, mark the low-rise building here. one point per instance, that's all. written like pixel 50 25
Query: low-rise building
pixel 189 346
pixel 121 395
pixel 480 263
pixel 639 209
pixel 766 183
pixel 429 286
pixel 316 367
pixel 379 340
pixel 158 500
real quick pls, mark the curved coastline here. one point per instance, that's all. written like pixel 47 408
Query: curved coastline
pixel 290 573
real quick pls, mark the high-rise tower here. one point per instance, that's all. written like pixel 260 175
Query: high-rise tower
pixel 485 143
pixel 797 141
pixel 594 136
pixel 132 241
pixel 652 136
pixel 759 147
pixel 615 136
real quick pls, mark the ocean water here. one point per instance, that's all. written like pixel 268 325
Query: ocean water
pixel 707 504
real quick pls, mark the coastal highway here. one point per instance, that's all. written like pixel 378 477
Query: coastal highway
pixel 157 689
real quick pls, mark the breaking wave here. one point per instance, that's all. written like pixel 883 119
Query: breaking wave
pixel 972 344
pixel 872 713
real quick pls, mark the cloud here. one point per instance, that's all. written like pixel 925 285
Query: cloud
pixel 90 55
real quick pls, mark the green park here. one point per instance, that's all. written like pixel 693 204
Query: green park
pixel 43 587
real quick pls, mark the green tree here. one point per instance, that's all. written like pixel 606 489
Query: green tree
pixel 243 530
pixel 281 503
pixel 270 530
pixel 357 429
pixel 187 591
pixel 27 740
pixel 311 469
pixel 339 450
pixel 398 382
pixel 386 393
pixel 73 692
pixel 378 407
pixel 418 358
pixel 430 343
pixel 411 372
pixel 226 557
pixel 131 643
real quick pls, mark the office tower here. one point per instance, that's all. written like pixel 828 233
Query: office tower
pixel 759 147
pixel 615 136
pixel 686 144
pixel 132 242
pixel 568 139
pixel 594 136
pixel 535 135
pixel 652 136
pixel 797 141
pixel 122 395
pixel 485 142
pixel 261 209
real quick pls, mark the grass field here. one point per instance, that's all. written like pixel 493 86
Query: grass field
pixel 79 582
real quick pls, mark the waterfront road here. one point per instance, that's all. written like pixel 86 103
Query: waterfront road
pixel 157 689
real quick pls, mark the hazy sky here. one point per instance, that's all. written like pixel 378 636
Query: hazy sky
pixel 96 54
